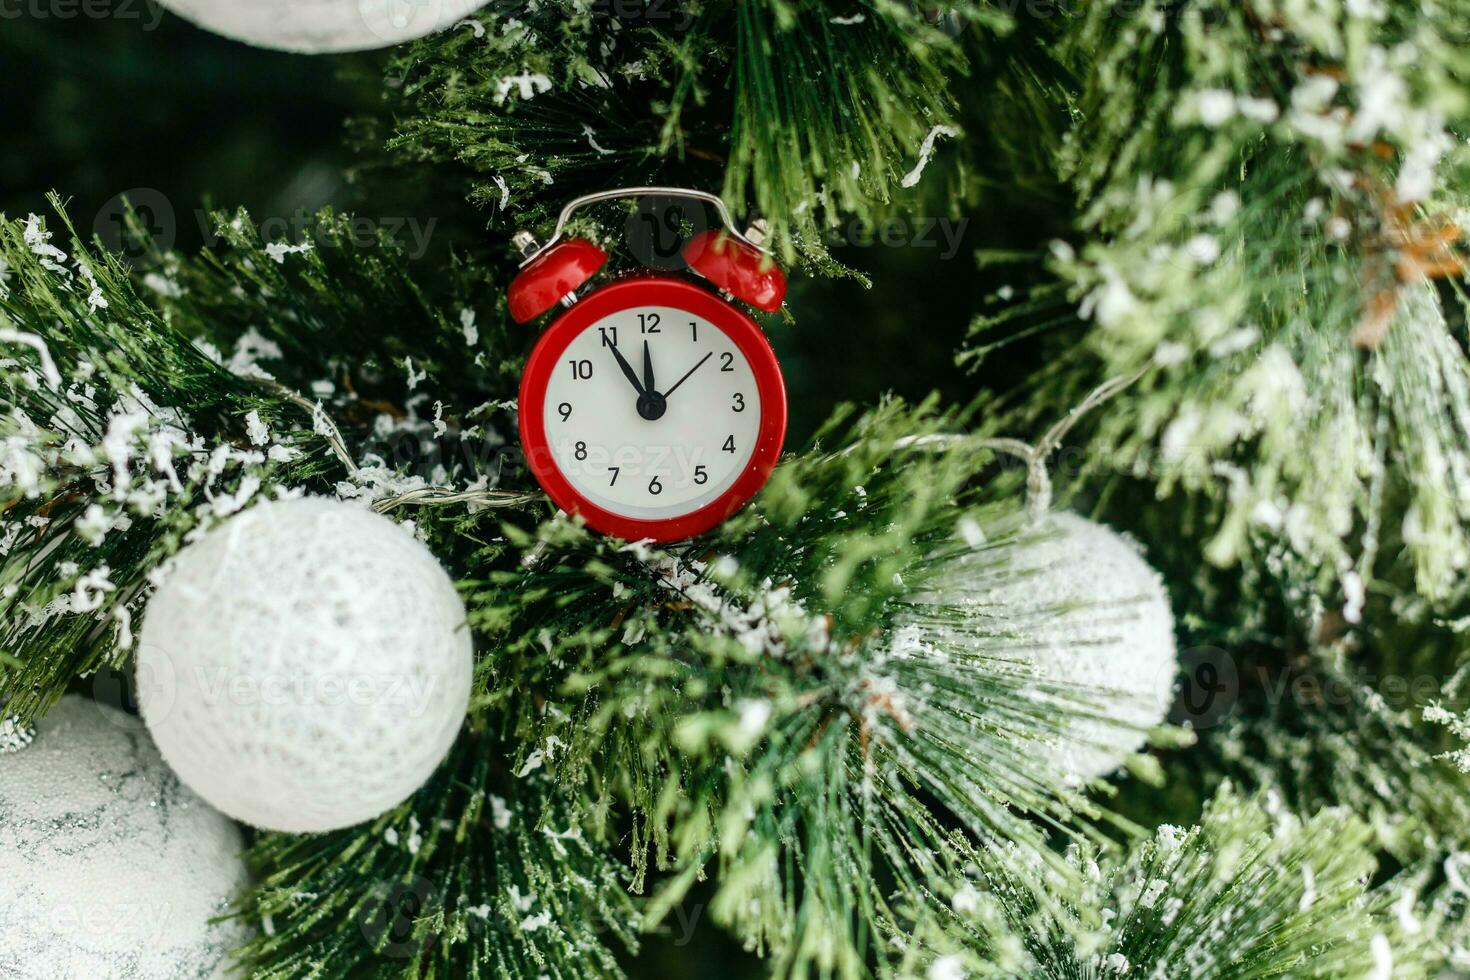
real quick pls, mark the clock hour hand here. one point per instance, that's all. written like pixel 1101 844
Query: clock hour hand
pixel 627 369
pixel 688 373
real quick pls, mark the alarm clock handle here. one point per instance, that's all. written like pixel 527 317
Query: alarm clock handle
pixel 754 236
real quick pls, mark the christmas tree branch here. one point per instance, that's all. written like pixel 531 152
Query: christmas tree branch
pixel 121 439
pixel 1267 210
pixel 479 875
pixel 1253 891
pixel 814 114
pixel 755 703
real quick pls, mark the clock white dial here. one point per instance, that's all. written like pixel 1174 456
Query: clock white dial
pixel 651 451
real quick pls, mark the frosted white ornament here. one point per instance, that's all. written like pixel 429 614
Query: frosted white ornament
pixel 305 666
pixel 323 26
pixel 1085 611
pixel 109 866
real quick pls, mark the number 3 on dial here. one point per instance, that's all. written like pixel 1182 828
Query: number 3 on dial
pixel 645 429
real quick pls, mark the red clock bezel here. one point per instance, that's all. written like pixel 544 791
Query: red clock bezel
pixel 653 291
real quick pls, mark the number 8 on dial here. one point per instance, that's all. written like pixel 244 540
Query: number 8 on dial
pixel 653 408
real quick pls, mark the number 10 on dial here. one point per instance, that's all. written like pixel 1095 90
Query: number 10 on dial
pixel 652 409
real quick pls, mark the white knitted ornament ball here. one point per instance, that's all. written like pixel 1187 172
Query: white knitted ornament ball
pixel 1077 604
pixel 323 26
pixel 305 666
pixel 109 866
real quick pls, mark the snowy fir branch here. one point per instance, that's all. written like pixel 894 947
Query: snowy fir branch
pixel 1267 220
pixel 121 439
pixel 809 645
pixel 481 875
pixel 1252 891
pixel 808 114
pixel 817 653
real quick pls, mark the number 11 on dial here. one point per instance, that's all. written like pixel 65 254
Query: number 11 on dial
pixel 652 409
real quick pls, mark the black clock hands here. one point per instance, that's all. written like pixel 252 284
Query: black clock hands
pixel 627 370
pixel 696 367
pixel 651 404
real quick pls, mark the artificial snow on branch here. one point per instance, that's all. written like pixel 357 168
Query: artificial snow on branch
pixel 1270 228
pixel 1253 890
pixel 870 638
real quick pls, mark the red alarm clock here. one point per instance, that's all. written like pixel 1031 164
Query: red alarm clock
pixel 653 407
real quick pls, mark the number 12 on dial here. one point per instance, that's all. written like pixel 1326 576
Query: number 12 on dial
pixel 652 409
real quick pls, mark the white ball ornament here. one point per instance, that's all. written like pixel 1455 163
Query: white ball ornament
pixel 109 866
pixel 305 666
pixel 1076 602
pixel 323 26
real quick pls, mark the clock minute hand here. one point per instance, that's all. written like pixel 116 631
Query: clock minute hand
pixel 627 369
pixel 648 383
pixel 688 373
